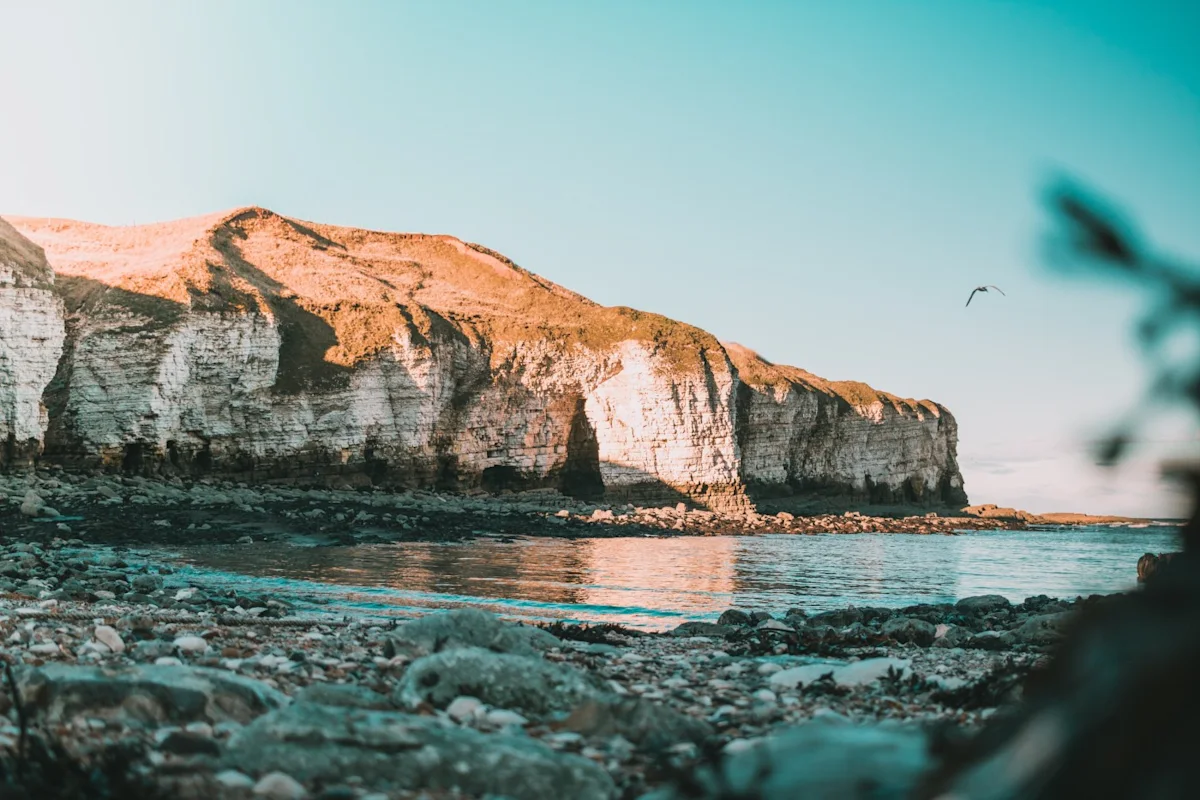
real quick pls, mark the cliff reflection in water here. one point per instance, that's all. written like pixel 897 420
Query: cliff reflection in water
pixel 657 582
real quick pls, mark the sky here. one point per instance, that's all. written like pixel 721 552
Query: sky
pixel 821 182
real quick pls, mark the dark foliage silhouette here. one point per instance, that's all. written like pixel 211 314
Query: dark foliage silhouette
pixel 1117 712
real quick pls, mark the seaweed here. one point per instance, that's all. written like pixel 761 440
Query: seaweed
pixel 604 633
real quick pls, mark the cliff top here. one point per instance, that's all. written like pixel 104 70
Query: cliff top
pixel 22 262
pixel 758 371
pixel 364 285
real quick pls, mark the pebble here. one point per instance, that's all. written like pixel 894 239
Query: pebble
pixel 464 708
pixel 278 786
pixel 232 779
pixel 109 637
pixel 191 644
pixel 502 718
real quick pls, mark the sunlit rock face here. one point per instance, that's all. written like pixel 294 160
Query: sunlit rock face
pixel 31 340
pixel 250 344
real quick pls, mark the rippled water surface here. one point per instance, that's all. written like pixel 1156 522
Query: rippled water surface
pixel 657 583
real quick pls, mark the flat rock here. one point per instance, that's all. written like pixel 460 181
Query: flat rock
pixel 525 684
pixel 1043 628
pixel 647 724
pixel 910 630
pixel 703 629
pixel 344 695
pixel 322 743
pixel 468 627
pixel 817 760
pixel 146 694
pixel 983 604
pixel 734 617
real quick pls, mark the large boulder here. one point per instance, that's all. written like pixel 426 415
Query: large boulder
pixel 469 627
pixel 908 630
pixel 698 628
pixel 647 724
pixel 319 743
pixel 520 683
pixel 147 694
pixel 1043 628
pixel 983 604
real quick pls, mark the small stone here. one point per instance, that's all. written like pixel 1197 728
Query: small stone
pixel 278 786
pixel 191 644
pixel 463 708
pixel 147 583
pixel 109 637
pixel 232 779
pixel 774 625
pixel 246 540
pixel 734 617
pixel 765 696
pixel 502 718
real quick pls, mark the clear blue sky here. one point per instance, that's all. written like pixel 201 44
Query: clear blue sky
pixel 821 181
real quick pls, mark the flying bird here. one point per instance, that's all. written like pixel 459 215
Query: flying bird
pixel 983 289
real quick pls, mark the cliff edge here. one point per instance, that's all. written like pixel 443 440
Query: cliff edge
pixel 247 343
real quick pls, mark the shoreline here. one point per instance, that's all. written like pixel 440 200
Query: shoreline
pixel 112 509
pixel 618 712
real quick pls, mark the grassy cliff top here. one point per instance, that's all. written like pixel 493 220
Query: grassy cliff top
pixel 344 292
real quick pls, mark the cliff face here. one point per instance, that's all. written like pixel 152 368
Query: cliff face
pixel 251 344
pixel 31 340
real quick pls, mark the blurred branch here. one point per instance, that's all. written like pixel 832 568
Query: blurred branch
pixel 1090 235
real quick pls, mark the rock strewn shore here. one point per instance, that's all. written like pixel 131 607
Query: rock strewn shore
pixel 226 695
pixel 114 509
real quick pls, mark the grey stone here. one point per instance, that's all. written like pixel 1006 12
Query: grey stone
pixel 909 630
pixel 144 694
pixel 344 695
pixel 983 604
pixel 647 724
pixel 1043 628
pixel 955 636
pixel 838 619
pixel 703 629
pixel 151 649
pixel 147 583
pixel 279 786
pixel 734 617
pixel 321 743
pixel 992 640
pixel 521 683
pixel 468 627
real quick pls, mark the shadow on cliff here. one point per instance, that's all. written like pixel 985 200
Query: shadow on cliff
pixel 304 337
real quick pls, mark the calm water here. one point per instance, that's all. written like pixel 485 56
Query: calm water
pixel 656 583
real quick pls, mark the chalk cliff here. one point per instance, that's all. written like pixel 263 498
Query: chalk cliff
pixel 248 343
pixel 31 341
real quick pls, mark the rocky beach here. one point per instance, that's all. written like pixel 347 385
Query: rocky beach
pixel 245 379
pixel 189 692
pixel 115 509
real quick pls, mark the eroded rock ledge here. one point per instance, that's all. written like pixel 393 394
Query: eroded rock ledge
pixel 251 345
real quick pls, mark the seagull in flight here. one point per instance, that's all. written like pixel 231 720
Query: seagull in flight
pixel 983 289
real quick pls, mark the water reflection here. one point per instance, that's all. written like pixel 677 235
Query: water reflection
pixel 657 582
